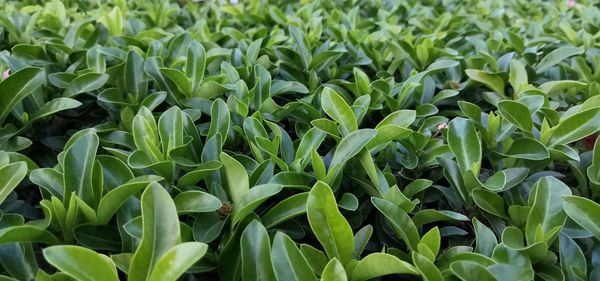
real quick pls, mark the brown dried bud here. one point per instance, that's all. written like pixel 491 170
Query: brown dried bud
pixel 454 85
pixel 226 209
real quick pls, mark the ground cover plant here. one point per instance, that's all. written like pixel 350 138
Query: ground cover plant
pixel 299 140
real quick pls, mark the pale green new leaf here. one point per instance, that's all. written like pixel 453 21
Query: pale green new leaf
pixel 337 108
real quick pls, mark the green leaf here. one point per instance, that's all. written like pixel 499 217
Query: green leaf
pixel 170 129
pixel 11 175
pixel 78 168
pixel 517 76
pixel 18 261
pixel 315 257
pixel 361 238
pixel 112 201
pixel 256 253
pixel 26 234
pixel 286 209
pixel 81 263
pixel 527 148
pixel 572 260
pixel 366 160
pixel 98 237
pixel 18 86
pixel 195 201
pixel 584 212
pixel 546 211
pixel 432 240
pixel 426 267
pixel 86 83
pixel 337 108
pixel 135 80
pixel 54 106
pixel 492 81
pixel 329 226
pixel 576 127
pixel 362 81
pixel 380 264
pixel 153 68
pixel 485 240
pixel 386 134
pixel 262 87
pixel 301 44
pixel 517 114
pixel 146 136
pixel 401 118
pixel 416 186
pixel 593 171
pixel 211 89
pixel 348 147
pixel 288 261
pixel 220 120
pixel 470 270
pixel 334 271
pixel 465 144
pixel 426 109
pixel 160 234
pixel 207 227
pixel 237 178
pixel 348 202
pixel 177 260
pixel 563 152
pixel 195 64
pixel 200 172
pixel 556 56
pixel 490 202
pixel 430 215
pixel 311 140
pixel 253 199
pixel 400 222
pixel 113 21
pixel 551 87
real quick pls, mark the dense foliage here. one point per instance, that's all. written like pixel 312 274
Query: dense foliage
pixel 280 140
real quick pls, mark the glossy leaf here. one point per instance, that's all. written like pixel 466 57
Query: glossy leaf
pixel 380 264
pixel 575 127
pixel 399 220
pixel 334 271
pixel 237 178
pixel 582 211
pixel 256 253
pixel 11 174
pixel 288 261
pixel 18 86
pixel 547 210
pixel 329 226
pixel 492 81
pixel 556 57
pixel 195 201
pixel 75 261
pixel 160 233
pixel 337 108
pixel 286 209
pixel 465 144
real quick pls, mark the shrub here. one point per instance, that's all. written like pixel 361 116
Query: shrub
pixel 281 140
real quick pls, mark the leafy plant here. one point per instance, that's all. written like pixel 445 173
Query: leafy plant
pixel 299 140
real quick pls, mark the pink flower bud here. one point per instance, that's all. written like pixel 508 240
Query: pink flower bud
pixel 5 74
pixel 442 126
pixel 571 3
pixel 233 2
